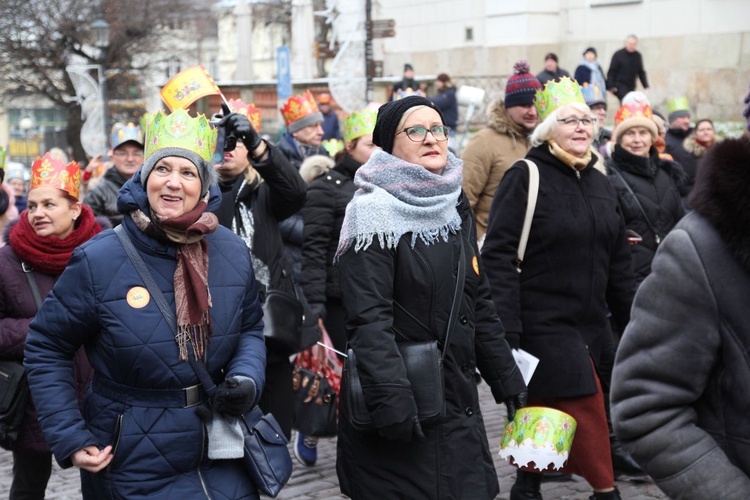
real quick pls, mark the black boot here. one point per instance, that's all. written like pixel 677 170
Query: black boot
pixel 624 466
pixel 610 495
pixel 527 486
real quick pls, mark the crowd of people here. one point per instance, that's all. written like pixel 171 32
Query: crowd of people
pixel 637 255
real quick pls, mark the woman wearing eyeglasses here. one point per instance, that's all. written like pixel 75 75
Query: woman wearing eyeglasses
pixel 576 268
pixel 399 250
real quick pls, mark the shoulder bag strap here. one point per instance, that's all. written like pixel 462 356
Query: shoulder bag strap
pixel 29 272
pixel 530 207
pixel 161 303
pixel 457 294
pixel 657 238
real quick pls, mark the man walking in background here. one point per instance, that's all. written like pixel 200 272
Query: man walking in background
pixel 626 66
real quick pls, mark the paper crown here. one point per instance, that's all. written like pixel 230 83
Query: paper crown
pixel 400 94
pixel 556 94
pixel 633 110
pixel 180 130
pixel 249 110
pixel 359 123
pixel 332 146
pixel 145 120
pixel 540 435
pixel 593 94
pixel 122 133
pixel 677 104
pixel 3 156
pixel 298 106
pixel 48 171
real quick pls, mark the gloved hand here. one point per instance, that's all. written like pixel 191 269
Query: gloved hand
pixel 237 126
pixel 235 396
pixel 403 431
pixel 318 310
pixel 515 402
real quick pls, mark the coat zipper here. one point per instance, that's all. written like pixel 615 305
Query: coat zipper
pixel 200 474
pixel 116 444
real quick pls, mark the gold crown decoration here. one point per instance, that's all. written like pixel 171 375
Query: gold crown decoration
pixel 677 104
pixel 556 94
pixel 299 106
pixel 122 133
pixel 633 110
pixel 249 110
pixel 180 130
pixel 49 171
pixel 359 123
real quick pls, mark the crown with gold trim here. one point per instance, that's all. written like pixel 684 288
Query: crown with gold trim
pixel 249 110
pixel 49 171
pixel 299 106
pixel 678 104
pixel 556 94
pixel 122 133
pixel 180 130
pixel 359 123
pixel 3 156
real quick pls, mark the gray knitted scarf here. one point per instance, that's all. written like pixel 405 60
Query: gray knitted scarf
pixel 395 197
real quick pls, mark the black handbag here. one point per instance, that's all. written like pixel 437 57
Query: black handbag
pixel 267 460
pixel 314 404
pixel 289 323
pixel 14 388
pixel 424 369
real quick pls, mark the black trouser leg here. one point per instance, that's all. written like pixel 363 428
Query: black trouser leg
pixel 527 486
pixel 31 473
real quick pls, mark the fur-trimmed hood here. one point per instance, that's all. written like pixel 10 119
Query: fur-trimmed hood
pixel 692 146
pixel 721 192
pixel 499 121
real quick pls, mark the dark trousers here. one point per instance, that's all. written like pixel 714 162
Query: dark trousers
pixel 31 473
pixel 277 397
pixel 335 323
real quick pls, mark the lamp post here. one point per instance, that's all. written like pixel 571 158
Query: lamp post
pixel 25 125
pixel 100 29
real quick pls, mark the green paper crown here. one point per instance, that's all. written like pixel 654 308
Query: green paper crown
pixel 3 155
pixel 180 130
pixel 359 123
pixel 677 104
pixel 556 94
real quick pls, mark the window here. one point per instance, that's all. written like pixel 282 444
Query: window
pixel 469 34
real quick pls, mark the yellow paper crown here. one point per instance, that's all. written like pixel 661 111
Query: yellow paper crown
pixel 298 106
pixel 249 110
pixel 3 156
pixel 556 94
pixel 180 130
pixel 48 171
pixel 145 120
pixel 678 104
pixel 359 123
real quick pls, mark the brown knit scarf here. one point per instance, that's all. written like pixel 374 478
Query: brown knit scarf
pixel 570 160
pixel 192 295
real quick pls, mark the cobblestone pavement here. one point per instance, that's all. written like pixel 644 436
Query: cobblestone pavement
pixel 319 482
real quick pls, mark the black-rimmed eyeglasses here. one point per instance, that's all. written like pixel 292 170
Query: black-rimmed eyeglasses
pixel 573 121
pixel 419 133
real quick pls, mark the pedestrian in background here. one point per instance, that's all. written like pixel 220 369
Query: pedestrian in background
pixel 17 178
pixel 625 67
pixel 446 102
pixel 8 210
pixel 576 269
pixel 701 139
pixel 401 241
pixel 679 130
pixel 596 100
pixel 39 245
pixel 331 129
pixel 140 434
pixel 590 71
pixel 552 71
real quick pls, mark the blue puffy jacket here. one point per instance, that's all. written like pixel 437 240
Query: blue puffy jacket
pixel 159 444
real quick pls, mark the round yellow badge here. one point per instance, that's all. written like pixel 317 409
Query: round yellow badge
pixel 475 264
pixel 138 297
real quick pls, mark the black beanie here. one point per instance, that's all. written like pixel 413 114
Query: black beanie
pixel 390 113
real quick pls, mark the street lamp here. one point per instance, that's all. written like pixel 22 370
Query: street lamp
pixel 100 29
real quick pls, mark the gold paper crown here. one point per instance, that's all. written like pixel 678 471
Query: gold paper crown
pixel 359 123
pixel 180 130
pixel 633 110
pixel 48 171
pixel 556 94
pixel 297 107
pixel 249 110
pixel 677 104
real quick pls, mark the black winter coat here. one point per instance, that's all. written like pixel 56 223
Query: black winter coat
pixel 446 101
pixel 675 138
pixel 103 198
pixel 394 294
pixel 655 183
pixel 577 267
pixel 624 68
pixel 323 215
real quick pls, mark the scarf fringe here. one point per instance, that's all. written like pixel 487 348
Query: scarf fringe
pixel 390 239
pixel 195 335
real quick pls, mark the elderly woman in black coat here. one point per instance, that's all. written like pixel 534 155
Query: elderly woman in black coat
pixel 576 269
pixel 399 250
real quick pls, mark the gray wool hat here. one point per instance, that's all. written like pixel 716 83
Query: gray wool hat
pixel 306 121
pixel 206 172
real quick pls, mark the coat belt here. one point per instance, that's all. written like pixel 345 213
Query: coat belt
pixel 149 398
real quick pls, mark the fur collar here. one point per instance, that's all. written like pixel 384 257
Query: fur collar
pixel 499 121
pixel 721 194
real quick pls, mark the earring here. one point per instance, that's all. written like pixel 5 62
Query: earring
pixel 75 218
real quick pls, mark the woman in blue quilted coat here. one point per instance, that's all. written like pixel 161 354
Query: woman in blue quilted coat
pixel 139 434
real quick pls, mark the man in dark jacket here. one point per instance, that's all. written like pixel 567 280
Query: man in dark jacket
pixel 626 66
pixel 127 157
pixel 259 187
pixel 331 127
pixel 679 128
pixel 552 71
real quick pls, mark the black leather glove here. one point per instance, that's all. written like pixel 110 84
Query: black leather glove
pixel 237 126
pixel 515 402
pixel 235 396
pixel 405 431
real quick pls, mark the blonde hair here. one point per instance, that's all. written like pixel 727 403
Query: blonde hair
pixel 550 125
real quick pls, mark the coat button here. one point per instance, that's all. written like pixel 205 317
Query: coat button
pixel 469 411
pixel 463 320
pixel 464 367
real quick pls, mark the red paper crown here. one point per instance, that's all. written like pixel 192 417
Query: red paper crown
pixel 48 171
pixel 298 107
pixel 249 110
pixel 633 110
